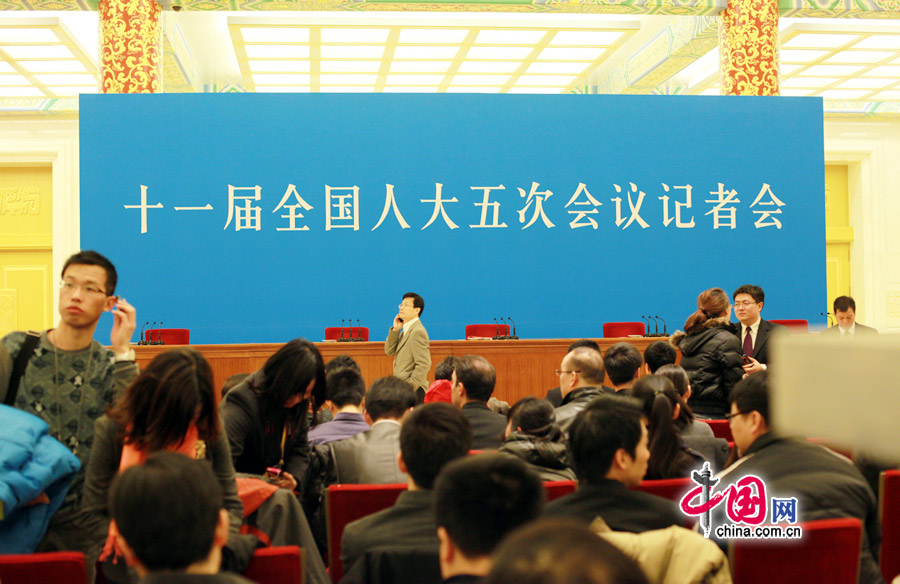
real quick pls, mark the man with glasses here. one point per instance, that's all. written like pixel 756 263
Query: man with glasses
pixel 69 379
pixel 407 342
pixel 580 381
pixel 753 332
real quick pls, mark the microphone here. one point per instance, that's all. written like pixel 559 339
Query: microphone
pixel 497 330
pixel 507 330
pixel 828 315
pixel 664 333
pixel 513 337
pixel 342 339
pixel 142 341
pixel 647 334
pixel 152 326
pixel 159 340
pixel 359 333
pixel 655 326
pixel 350 323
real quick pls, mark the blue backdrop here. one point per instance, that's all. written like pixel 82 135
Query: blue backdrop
pixel 260 218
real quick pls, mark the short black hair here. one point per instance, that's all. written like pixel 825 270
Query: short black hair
pixel 477 375
pixel 589 364
pixel 340 362
pixel 561 550
pixel 535 416
pixel 659 353
pixel 389 397
pixel 754 291
pixel 622 361
pixel 433 435
pixel 185 499
pixel 345 386
pixel 589 343
pixel 608 423
pixel 93 258
pixel 481 498
pixel 444 369
pixel 752 394
pixel 418 301
pixel 844 303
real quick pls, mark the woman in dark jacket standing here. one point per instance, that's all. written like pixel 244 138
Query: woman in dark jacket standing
pixel 711 354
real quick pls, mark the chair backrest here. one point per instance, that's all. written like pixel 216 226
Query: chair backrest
pixel 622 329
pixel 170 336
pixel 333 333
pixel 557 489
pixel 828 553
pixel 720 428
pixel 671 489
pixel 276 565
pixel 889 512
pixel 486 330
pixel 346 503
pixel 56 567
pixel 797 324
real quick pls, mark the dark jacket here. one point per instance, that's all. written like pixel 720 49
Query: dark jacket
pixel 575 401
pixel 711 355
pixel 547 456
pixel 487 427
pixel 621 508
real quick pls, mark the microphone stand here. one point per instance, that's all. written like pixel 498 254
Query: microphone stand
pixel 644 318
pixel 497 331
pixel 827 315
pixel 342 339
pixel 514 336
pixel 359 338
pixel 655 326
pixel 505 330
pixel 159 340
pixel 142 341
pixel 152 326
pixel 664 333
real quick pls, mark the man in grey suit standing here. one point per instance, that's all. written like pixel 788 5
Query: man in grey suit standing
pixel 407 342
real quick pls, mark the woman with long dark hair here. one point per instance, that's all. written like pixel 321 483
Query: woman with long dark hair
pixel 711 354
pixel 533 436
pixel 685 422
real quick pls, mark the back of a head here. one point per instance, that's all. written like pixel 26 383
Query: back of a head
pixel 589 364
pixel 608 423
pixel 345 387
pixel 534 416
pixel 477 375
pixel 659 353
pixel 288 373
pixel 622 362
pixel 433 435
pixel 680 381
pixel 167 510
pixel 752 394
pixel 444 369
pixel 561 551
pixel 589 343
pixel 389 397
pixel 711 304
pixel 481 498
pixel 658 399
pixel 341 362
pixel 163 401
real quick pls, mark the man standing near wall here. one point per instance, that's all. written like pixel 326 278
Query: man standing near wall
pixel 407 342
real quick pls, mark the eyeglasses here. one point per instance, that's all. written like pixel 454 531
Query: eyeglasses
pixel 729 416
pixel 744 304
pixel 70 287
pixel 561 371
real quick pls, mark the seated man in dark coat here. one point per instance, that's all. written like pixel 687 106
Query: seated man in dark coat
pixel 471 387
pixel 608 442
pixel 580 381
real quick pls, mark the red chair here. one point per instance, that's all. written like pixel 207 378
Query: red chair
pixel 828 553
pixel 276 565
pixel 795 324
pixel 169 336
pixel 333 333
pixel 889 512
pixel 720 428
pixel 622 329
pixel 56 567
pixel 486 330
pixel 557 489
pixel 671 489
pixel 346 503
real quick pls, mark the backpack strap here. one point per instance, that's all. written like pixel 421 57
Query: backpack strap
pixel 22 359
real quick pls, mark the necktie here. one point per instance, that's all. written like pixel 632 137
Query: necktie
pixel 748 344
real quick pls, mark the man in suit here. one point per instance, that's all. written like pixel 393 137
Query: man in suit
pixel 608 443
pixel 845 313
pixel 407 342
pixel 752 331
pixel 623 362
pixel 580 381
pixel 371 456
pixel 346 393
pixel 432 435
pixel 471 386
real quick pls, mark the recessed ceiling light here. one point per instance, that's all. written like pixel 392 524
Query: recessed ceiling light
pixel 351 52
pixel 799 55
pixel 561 80
pixel 571 54
pixel 887 95
pixel 425 52
pixel 879 41
pixel 474 89
pixel 66 79
pixel 541 67
pixel 27 35
pixel 710 91
pixel 864 57
pixel 6 67
pixel 592 38
pixel 38 52
pixel 14 80
pixel 509 37
pixel 489 66
pixel 492 53
pixel 280 79
pixel 795 92
pixel 349 66
pixel 347 79
pixel 72 91
pixel 815 41
pixel 282 89
pixel 414 79
pixel 53 66
pixel 813 82
pixel 836 70
pixel 347 89
pixel 21 92
pixel 788 69
pixel 426 89
pixel 432 36
pixel 866 83
pixel 480 79
pixel 354 35
pixel 419 66
pixel 275 34
pixel 883 71
pixel 277 51
pixel 258 66
pixel 843 94
pixel 535 90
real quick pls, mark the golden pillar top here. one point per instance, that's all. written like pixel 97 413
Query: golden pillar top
pixel 748 47
pixel 130 46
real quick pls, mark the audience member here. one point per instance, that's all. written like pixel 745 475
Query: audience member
pixel 710 354
pixel 478 500
pixel 439 390
pixel 561 551
pixel 825 485
pixel 184 542
pixel 69 379
pixel 346 393
pixel 472 385
pixel 752 331
pixel 554 396
pixel 533 435
pixel 342 361
pixel 659 353
pixel 845 314
pixel 608 444
pixel 623 362
pixel 670 458
pixel 580 382
pixel 407 342
pixel 431 436
pixel 265 417
pixel 685 422
pixel 371 456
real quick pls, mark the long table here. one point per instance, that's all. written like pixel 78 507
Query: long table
pixel 524 367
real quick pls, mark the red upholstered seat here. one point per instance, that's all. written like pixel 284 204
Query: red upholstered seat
pixel 276 565
pixel 486 330
pixel 827 554
pixel 169 336
pixel 622 329
pixel 346 503
pixel 671 489
pixel 796 324
pixel 889 511
pixel 333 333
pixel 557 489
pixel 720 428
pixel 55 567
